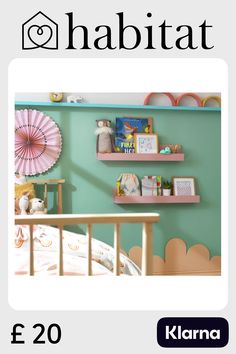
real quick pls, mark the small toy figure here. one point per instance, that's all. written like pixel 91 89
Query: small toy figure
pixel 37 206
pixel 23 204
pixel 104 133
pixel 165 151
pixel 56 96
pixel 74 99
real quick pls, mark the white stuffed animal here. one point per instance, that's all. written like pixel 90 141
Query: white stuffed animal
pixel 23 204
pixel 37 206
pixel 74 99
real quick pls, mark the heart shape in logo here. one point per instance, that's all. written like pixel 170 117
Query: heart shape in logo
pixel 40 35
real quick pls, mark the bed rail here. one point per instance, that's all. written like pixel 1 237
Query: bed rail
pixel 147 219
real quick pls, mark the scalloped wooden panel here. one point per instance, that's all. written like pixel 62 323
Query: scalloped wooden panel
pixel 180 261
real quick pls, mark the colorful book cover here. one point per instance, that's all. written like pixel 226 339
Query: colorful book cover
pixel 126 127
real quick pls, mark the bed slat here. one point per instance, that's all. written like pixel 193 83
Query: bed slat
pixel 31 250
pixel 117 249
pixel 59 188
pixel 60 265
pixel 46 195
pixel 89 250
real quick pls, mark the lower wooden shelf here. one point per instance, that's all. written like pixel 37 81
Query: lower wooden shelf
pixel 173 199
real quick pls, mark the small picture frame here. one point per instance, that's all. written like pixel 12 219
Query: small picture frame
pixel 183 186
pixel 146 143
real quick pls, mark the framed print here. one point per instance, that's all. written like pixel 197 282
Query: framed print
pixel 146 143
pixel 183 185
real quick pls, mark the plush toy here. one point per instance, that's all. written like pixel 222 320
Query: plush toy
pixel 24 204
pixel 37 206
pixel 104 136
pixel 166 151
pixel 74 99
pixel 20 179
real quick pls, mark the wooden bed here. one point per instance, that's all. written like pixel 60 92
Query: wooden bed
pixel 60 220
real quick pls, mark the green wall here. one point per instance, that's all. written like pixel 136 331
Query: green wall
pixel 89 182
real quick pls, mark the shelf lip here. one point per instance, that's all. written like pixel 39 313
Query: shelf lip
pixel 115 106
pixel 139 157
pixel 191 199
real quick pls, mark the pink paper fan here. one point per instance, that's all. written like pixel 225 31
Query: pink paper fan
pixel 38 142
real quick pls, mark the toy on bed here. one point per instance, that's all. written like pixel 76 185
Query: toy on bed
pixel 37 206
pixel 25 198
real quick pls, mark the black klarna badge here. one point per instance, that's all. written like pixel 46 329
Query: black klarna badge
pixel 192 332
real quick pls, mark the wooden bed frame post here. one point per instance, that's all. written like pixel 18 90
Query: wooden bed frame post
pixel 46 195
pixel 59 210
pixel 147 250
pixel 117 249
pixel 31 249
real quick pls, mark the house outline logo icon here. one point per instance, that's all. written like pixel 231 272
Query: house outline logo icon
pixel 40 31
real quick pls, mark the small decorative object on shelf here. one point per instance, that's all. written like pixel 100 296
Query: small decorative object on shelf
pixel 75 99
pixel 175 148
pixel 189 94
pixel 167 186
pixel 209 98
pixel 128 185
pixel 168 94
pixel 126 127
pixel 183 186
pixel 56 96
pixel 165 151
pixel 104 133
pixel 159 185
pixel 149 186
pixel 146 143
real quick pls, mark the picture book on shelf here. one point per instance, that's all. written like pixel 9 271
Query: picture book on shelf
pixel 125 129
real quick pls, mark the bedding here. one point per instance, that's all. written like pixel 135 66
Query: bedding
pixel 74 253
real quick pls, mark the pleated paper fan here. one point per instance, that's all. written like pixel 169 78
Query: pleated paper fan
pixel 38 142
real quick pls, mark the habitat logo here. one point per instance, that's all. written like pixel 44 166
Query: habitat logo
pixel 40 31
pixel 192 332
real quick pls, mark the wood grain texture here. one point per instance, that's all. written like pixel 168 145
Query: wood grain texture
pixel 73 219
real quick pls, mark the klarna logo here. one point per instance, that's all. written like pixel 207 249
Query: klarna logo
pixel 153 33
pixel 194 332
pixel 177 332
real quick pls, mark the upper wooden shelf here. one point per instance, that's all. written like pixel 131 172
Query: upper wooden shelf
pixel 139 157
pixel 27 104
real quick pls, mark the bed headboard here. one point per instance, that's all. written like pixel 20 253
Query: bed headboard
pixel 46 182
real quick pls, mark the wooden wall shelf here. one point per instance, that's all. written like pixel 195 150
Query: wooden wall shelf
pixel 27 104
pixel 139 157
pixel 191 199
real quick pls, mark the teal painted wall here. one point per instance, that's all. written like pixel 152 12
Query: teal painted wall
pixel 89 182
